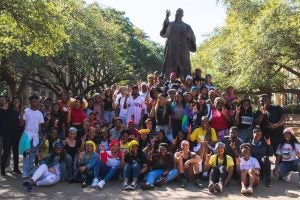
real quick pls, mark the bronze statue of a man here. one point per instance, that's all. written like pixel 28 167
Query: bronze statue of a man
pixel 180 41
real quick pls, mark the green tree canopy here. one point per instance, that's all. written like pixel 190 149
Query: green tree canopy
pixel 258 40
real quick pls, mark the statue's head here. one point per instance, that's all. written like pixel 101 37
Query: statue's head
pixel 179 13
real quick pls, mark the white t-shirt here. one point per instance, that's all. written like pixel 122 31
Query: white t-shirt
pixel 287 153
pixel 252 163
pixel 120 101
pixel 33 118
pixel 135 107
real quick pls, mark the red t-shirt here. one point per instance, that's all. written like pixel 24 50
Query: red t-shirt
pixel 218 121
pixel 77 116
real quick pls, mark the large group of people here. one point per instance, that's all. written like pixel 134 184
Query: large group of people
pixel 148 134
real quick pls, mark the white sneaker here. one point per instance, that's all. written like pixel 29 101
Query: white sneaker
pixel 244 190
pixel 95 182
pixel 101 184
pixel 218 187
pixel 250 190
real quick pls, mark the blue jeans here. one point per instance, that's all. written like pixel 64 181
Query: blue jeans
pixel 133 169
pixel 94 171
pixel 107 173
pixel 28 160
pixel 286 166
pixel 154 175
pixel 165 128
pixel 108 116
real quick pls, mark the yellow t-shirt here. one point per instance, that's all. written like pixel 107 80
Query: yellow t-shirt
pixel 199 132
pixel 213 159
pixel 44 152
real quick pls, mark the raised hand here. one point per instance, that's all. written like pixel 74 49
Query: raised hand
pixel 232 145
pixel 207 157
pixel 268 140
pixel 238 109
pixel 174 141
pixel 168 13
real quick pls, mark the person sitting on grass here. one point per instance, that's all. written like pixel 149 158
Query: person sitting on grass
pixel 248 168
pixel 162 165
pixel 57 166
pixel 288 155
pixel 221 168
pixel 87 168
pixel 111 162
pixel 135 165
pixel 188 163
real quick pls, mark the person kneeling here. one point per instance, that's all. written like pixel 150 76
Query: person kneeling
pixel 163 171
pixel 57 166
pixel 135 165
pixel 221 168
pixel 249 169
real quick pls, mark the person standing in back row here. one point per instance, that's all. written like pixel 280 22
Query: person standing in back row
pixel 271 120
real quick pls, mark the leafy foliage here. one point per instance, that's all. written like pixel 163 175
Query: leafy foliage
pixel 71 46
pixel 260 38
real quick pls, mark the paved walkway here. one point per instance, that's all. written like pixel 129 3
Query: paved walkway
pixel 11 188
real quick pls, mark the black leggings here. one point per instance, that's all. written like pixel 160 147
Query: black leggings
pixel 10 143
pixel 265 167
pixel 217 174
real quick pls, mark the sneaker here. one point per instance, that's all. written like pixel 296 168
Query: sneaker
pixel 95 182
pixel 101 184
pixel 132 186
pixel 158 183
pixel 183 183
pixel 26 183
pixel 147 187
pixel 17 171
pixel 8 169
pixel 250 190
pixel 211 188
pixel 84 181
pixel 125 187
pixel 197 183
pixel 218 187
pixel 244 190
pixel 29 186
